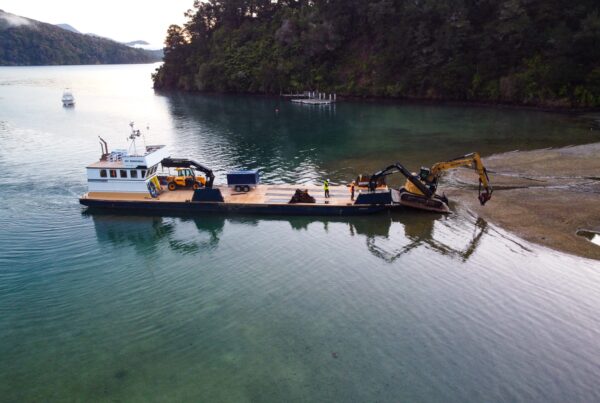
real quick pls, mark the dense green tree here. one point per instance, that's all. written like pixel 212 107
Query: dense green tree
pixel 541 52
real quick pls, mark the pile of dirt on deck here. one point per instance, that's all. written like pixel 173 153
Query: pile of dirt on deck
pixel 545 196
pixel 301 196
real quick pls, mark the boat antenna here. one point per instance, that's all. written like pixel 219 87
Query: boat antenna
pixel 134 134
pixel 144 137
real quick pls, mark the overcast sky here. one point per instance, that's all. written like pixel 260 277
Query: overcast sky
pixel 121 20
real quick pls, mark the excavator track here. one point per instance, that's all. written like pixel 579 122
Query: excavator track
pixel 434 204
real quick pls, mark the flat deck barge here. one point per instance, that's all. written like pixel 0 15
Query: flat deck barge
pixel 129 179
pixel 262 199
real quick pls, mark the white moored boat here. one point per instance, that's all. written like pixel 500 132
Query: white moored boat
pixel 126 171
pixel 67 98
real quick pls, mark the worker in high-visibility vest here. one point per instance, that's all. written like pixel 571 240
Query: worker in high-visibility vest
pixel 326 188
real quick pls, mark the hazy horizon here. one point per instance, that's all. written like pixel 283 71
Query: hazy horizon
pixel 123 21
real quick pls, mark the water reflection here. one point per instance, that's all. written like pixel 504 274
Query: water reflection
pixel 250 133
pixel 289 143
pixel 421 233
pixel 387 236
pixel 145 233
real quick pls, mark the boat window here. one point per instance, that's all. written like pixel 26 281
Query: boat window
pixel 123 173
pixel 143 173
pixel 113 173
pixel 103 173
pixel 133 173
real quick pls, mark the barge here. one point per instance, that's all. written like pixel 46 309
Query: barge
pixel 129 179
pixel 134 179
pixel 263 199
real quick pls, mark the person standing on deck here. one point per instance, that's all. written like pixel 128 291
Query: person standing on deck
pixel 352 190
pixel 326 188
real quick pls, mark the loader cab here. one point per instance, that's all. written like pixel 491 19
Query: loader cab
pixel 184 178
pixel 185 172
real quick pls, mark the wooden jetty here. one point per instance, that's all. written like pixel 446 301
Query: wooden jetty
pixel 308 101
pixel 313 98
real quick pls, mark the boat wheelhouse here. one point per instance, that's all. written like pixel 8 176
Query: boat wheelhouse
pixel 126 170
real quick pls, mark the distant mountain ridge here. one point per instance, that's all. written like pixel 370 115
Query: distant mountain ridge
pixel 24 41
pixel 155 51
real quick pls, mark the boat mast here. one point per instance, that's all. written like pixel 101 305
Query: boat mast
pixel 134 133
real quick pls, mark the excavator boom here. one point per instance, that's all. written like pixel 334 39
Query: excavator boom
pixel 470 160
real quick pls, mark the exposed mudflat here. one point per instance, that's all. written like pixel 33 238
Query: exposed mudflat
pixel 545 196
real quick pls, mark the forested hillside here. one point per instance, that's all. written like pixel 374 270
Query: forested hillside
pixel 28 42
pixel 540 52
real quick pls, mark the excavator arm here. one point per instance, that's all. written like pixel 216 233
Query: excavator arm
pixel 472 160
pixel 185 163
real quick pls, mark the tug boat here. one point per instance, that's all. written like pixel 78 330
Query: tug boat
pixel 130 180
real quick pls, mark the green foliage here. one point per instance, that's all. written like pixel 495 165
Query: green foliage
pixel 540 52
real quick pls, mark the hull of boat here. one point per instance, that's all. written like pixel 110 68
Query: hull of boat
pixel 234 208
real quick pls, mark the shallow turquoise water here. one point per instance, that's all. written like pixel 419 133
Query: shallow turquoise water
pixel 104 307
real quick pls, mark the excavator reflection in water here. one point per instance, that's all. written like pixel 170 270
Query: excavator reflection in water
pixel 388 237
pixel 421 233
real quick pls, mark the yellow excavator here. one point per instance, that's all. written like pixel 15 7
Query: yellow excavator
pixel 419 191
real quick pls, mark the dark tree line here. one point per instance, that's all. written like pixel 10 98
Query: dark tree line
pixel 542 52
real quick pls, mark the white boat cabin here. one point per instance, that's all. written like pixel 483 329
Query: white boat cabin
pixel 67 98
pixel 125 170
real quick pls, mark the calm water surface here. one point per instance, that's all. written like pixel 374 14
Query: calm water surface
pixel 104 307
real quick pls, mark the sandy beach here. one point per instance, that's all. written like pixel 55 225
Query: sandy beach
pixel 545 196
